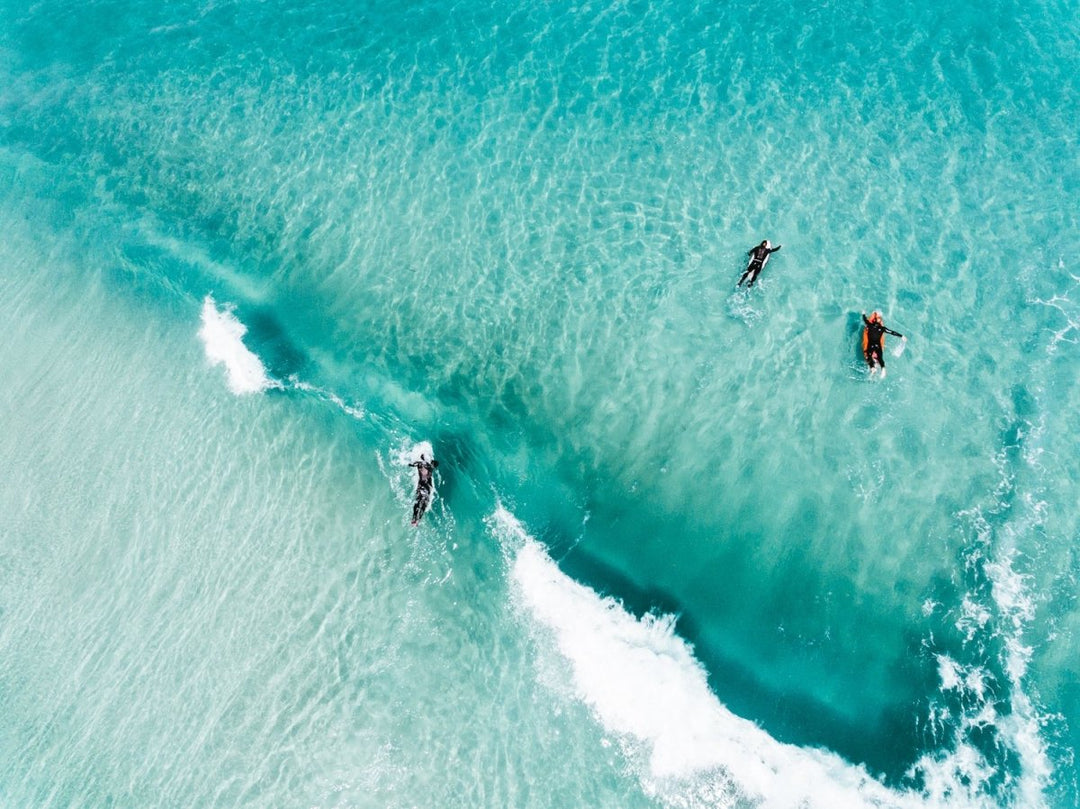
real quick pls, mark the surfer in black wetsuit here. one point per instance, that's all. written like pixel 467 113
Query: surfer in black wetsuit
pixel 759 257
pixel 875 332
pixel 424 468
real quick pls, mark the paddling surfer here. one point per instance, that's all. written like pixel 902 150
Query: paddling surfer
pixel 424 484
pixel 759 257
pixel 873 349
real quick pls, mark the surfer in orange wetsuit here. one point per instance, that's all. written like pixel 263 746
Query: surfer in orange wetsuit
pixel 424 483
pixel 873 341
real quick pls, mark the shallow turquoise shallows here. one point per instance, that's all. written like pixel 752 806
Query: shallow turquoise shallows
pixel 684 550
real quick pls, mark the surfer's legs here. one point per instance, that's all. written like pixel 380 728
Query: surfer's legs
pixel 421 504
pixel 874 357
pixel 752 269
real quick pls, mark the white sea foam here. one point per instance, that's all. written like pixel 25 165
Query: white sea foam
pixel 1006 615
pixel 973 617
pixel 949 672
pixel 1014 607
pixel 644 685
pixel 969 680
pixel 222 335
pixel 1023 726
pixel 408 453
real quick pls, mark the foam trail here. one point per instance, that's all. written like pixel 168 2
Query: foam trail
pixel 1023 724
pixel 328 396
pixel 1007 615
pixel 222 335
pixel 644 684
pixel 964 769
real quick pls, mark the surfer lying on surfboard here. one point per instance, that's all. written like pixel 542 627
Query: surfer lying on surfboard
pixel 424 468
pixel 873 341
pixel 759 257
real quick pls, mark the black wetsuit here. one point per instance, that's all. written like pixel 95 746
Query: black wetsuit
pixel 874 332
pixel 758 257
pixel 424 469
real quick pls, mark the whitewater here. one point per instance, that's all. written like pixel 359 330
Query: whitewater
pixel 684 551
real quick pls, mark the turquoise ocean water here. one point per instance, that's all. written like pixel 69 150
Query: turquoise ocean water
pixel 257 256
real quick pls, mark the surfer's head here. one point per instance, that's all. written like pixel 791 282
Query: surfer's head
pixel 765 243
pixel 876 317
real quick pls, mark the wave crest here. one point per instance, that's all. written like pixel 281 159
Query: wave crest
pixel 222 335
